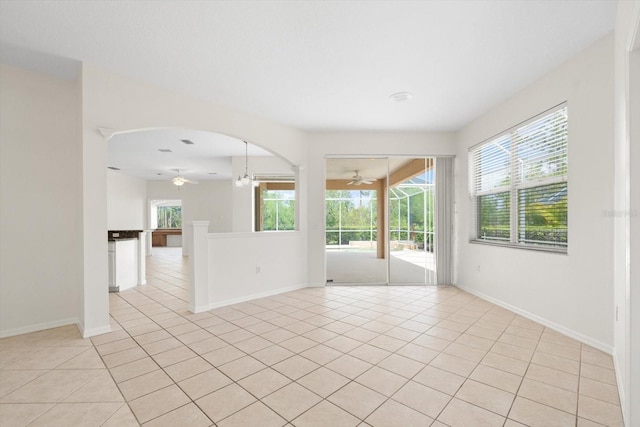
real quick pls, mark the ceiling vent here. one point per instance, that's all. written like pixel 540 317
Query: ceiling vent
pixel 165 150
pixel 186 141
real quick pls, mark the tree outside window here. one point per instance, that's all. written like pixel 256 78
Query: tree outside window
pixel 169 216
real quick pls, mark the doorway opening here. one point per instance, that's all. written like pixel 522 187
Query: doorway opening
pixel 165 219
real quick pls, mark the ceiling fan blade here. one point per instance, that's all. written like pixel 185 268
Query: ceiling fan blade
pixel 352 183
pixel 189 181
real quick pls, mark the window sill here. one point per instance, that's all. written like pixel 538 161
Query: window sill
pixel 559 251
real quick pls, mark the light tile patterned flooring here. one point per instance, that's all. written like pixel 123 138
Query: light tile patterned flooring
pixel 335 356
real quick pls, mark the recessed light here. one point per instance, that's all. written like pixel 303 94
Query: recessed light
pixel 186 141
pixel 400 97
pixel 165 150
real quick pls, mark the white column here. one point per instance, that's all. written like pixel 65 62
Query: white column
pixel 94 312
pixel 148 242
pixel 199 268
pixel 142 270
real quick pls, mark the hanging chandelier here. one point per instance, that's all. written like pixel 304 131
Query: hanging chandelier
pixel 246 179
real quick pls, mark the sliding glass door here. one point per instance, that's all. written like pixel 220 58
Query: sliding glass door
pixel 354 206
pixel 411 212
pixel 380 221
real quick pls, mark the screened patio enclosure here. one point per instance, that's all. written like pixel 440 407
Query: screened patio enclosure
pixel 382 232
pixel 411 233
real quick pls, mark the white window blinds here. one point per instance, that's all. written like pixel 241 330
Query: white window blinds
pixel 518 183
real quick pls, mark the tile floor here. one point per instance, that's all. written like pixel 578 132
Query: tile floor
pixel 335 356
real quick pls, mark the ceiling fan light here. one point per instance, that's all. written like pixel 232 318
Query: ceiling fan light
pixel 246 179
pixel 179 181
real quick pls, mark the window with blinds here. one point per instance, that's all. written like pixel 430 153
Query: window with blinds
pixel 518 183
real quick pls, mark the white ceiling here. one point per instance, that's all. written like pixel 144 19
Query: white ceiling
pixel 208 158
pixel 319 65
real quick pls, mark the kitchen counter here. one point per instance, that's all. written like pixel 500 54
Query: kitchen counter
pixel 122 234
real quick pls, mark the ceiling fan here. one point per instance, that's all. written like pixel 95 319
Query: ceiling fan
pixel 179 180
pixel 358 180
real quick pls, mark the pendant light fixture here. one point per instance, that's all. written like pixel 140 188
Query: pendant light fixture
pixel 246 179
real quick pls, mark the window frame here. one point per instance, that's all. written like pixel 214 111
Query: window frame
pixel 516 185
pixel 159 208
pixel 264 185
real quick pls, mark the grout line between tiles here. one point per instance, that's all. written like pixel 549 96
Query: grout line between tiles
pixel 345 309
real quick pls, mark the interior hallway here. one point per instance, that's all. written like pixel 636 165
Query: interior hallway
pixel 338 356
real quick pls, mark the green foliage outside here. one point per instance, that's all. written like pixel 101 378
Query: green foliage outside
pixel 494 216
pixel 540 154
pixel 355 213
pixel 169 216
pixel 542 212
pixel 278 210
pixel 530 234
pixel 411 227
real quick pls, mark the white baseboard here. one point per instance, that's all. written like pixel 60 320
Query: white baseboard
pixel 198 309
pixel 245 298
pixel 87 333
pixel 38 327
pixel 621 390
pixel 549 324
pixel 315 285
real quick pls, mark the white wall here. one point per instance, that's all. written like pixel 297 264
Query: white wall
pixel 626 212
pixel 95 283
pixel 352 144
pixel 244 266
pixel 126 201
pixel 572 292
pixel 633 403
pixel 120 103
pixel 206 201
pixel 40 212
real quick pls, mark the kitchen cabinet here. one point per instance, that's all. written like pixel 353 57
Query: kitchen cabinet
pixel 123 264
pixel 167 237
pixel 112 264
